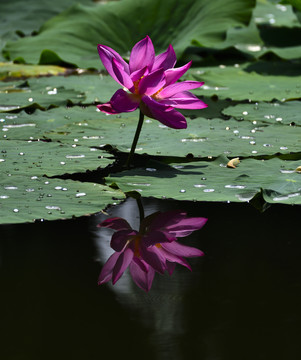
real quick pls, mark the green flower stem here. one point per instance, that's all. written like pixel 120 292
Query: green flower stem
pixel 141 209
pixel 138 130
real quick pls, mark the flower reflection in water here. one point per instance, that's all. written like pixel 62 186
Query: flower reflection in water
pixel 161 312
pixel 154 248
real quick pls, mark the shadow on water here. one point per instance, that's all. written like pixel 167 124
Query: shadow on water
pixel 242 300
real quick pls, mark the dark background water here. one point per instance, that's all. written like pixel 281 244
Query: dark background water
pixel 242 300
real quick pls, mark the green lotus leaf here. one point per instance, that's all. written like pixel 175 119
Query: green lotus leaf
pixel 273 67
pixel 273 30
pixel 18 20
pixel 15 16
pixel 24 198
pixel 15 96
pixel 214 181
pixel 10 70
pixel 52 159
pixel 202 137
pixel 295 3
pixel 287 53
pixel 268 13
pixel 24 126
pixel 96 88
pixel 257 44
pixel 230 82
pixel 246 39
pixel 190 24
pixel 271 113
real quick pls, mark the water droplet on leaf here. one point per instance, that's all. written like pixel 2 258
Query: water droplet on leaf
pixel 235 186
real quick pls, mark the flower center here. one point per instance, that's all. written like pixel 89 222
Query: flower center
pixel 137 239
pixel 136 242
pixel 155 95
pixel 136 85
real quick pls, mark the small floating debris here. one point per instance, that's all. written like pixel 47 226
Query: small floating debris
pixel 233 163
pixel 298 170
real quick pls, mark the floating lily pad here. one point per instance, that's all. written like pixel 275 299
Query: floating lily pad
pixel 10 70
pixel 202 137
pixel 271 113
pixel 16 96
pixel 25 198
pixel 287 53
pixel 294 3
pixel 96 88
pixel 214 181
pixel 268 13
pixel 274 68
pixel 235 83
pixel 105 23
pixel 274 29
pixel 51 159
pixel 258 50
pixel 246 39
pixel 24 126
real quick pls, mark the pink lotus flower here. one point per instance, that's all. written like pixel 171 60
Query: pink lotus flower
pixel 150 82
pixel 153 248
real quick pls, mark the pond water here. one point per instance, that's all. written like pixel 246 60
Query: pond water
pixel 241 301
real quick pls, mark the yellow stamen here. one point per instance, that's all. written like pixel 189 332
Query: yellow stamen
pixel 155 95
pixel 136 85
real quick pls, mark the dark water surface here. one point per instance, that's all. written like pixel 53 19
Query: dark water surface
pixel 242 300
